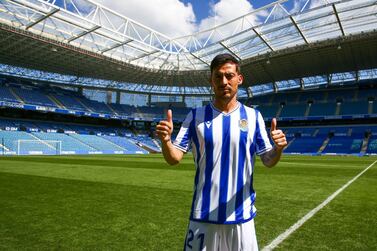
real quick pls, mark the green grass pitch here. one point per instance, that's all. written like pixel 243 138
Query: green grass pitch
pixel 137 202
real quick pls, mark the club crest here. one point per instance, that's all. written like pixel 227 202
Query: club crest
pixel 243 125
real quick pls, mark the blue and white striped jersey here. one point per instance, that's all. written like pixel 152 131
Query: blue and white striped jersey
pixel 224 146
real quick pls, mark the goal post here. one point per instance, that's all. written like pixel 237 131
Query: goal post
pixel 39 147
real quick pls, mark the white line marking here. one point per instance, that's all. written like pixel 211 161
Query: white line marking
pixel 299 223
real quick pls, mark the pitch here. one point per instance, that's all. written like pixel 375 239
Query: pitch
pixel 137 202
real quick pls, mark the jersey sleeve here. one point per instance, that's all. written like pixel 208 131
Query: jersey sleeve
pixel 262 140
pixel 183 139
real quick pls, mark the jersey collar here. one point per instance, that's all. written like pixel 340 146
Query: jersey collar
pixel 224 113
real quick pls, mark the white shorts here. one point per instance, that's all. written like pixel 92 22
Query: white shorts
pixel 224 237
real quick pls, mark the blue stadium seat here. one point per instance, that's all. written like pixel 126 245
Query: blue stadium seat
pixel 268 111
pixel 322 109
pixel 345 95
pixel 374 107
pixel 96 106
pixel 344 145
pixel 127 145
pixel 305 145
pixel 98 143
pixel 70 102
pixel 263 99
pixel 35 97
pixel 25 143
pixel 6 95
pixel 124 110
pixel 372 145
pixel 69 144
pixel 354 108
pixel 316 96
pixel 293 110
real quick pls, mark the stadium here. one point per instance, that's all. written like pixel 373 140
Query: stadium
pixel 82 88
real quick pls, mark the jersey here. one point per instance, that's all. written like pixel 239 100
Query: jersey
pixel 223 146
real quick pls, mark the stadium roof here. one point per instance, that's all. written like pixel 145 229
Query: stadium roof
pixel 83 38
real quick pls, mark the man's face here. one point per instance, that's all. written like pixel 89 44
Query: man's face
pixel 225 81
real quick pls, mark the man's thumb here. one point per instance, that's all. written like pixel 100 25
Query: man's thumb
pixel 273 124
pixel 169 116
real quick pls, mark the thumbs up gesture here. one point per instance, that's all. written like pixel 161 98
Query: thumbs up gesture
pixel 277 135
pixel 164 129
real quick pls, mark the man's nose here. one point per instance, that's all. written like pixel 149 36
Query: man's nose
pixel 224 80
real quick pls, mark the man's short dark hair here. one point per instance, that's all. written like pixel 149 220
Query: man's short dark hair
pixel 222 59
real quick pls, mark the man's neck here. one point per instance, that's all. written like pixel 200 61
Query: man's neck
pixel 225 105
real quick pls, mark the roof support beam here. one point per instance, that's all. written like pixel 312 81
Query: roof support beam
pixel 83 33
pixel 166 60
pixel 302 86
pixel 199 58
pixel 298 29
pixel 41 18
pixel 116 46
pixel 337 18
pixel 231 51
pixel 264 40
pixel 275 86
pixel 357 76
pixel 328 79
pixel 144 55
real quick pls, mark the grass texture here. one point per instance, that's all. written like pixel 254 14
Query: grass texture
pixel 137 202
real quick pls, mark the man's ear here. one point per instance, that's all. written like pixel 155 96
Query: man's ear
pixel 240 79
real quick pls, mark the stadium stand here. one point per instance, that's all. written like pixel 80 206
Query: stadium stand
pixel 372 146
pixel 40 137
pixel 25 143
pixel 126 144
pixel 69 145
pixel 69 102
pixel 268 111
pixel 353 108
pixel 33 96
pixel 6 95
pixel 96 106
pixel 89 138
pixel 295 110
pixel 125 110
pixel 52 137
pixel 332 140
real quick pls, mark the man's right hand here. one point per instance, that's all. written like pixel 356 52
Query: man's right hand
pixel 164 129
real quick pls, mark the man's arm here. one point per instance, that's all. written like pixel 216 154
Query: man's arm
pixel 171 154
pixel 272 157
pixel 164 130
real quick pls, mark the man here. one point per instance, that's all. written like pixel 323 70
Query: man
pixel 224 136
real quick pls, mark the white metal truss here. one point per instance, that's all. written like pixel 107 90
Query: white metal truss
pixel 91 26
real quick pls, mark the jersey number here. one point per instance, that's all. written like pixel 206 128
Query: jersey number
pixel 190 238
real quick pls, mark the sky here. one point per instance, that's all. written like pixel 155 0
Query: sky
pixel 176 18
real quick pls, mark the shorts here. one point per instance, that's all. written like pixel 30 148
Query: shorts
pixel 223 237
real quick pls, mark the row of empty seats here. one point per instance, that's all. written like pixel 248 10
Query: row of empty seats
pixel 16 142
pixel 39 137
pixel 332 140
pixel 26 93
pixel 319 109
pixel 317 96
pixel 82 139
